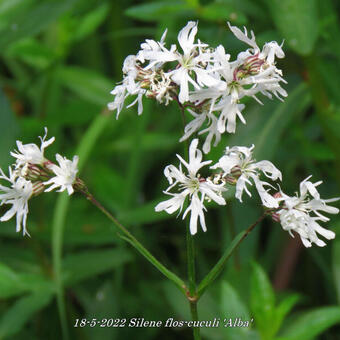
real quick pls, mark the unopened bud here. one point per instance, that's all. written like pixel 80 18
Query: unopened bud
pixel 230 179
pixel 275 216
pixel 38 188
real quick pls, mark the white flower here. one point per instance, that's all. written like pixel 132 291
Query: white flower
pixel 130 86
pixel 239 163
pixel 196 124
pixel 193 186
pixel 17 195
pixel 31 153
pixel 194 60
pixel 65 174
pixel 149 48
pixel 301 213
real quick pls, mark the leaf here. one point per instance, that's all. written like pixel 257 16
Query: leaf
pixel 143 214
pixel 311 324
pixel 222 11
pixel 9 282
pixel 297 22
pixel 231 304
pixel 88 84
pixel 31 52
pixel 282 310
pixel 336 266
pixel 23 310
pixel 81 266
pixel 157 10
pixel 13 284
pixel 8 131
pixel 90 22
pixel 26 24
pixel 216 270
pixel 265 126
pixel 262 301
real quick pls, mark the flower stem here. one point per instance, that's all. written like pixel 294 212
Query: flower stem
pixel 216 270
pixel 191 294
pixel 127 236
pixel 59 217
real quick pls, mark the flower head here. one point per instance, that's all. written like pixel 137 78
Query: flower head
pixel 302 213
pixel 238 162
pixel 65 174
pixel 193 186
pixel 17 195
pixel 31 153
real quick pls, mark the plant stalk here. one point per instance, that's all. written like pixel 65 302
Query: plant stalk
pixel 217 269
pixel 127 236
pixel 191 294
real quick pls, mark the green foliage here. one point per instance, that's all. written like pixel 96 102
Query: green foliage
pixel 268 316
pixel 312 323
pixel 59 62
pixel 297 22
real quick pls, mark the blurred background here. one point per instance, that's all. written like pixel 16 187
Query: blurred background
pixel 59 61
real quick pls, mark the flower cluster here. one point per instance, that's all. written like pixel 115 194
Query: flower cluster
pixel 302 212
pixel 32 174
pixel 238 167
pixel 192 185
pixel 201 79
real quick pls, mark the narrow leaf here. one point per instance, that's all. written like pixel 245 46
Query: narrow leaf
pixel 216 270
pixel 262 301
pixel 23 310
pixel 156 10
pixel 297 21
pixel 311 324
pixel 80 266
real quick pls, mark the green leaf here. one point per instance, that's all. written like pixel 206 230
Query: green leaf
pixel 84 149
pixel 78 267
pixel 88 84
pixel 311 324
pixel 216 270
pixel 222 11
pixel 34 20
pixel 262 301
pixel 157 10
pixel 231 304
pixel 297 22
pixel 12 9
pixel 336 266
pixel 13 284
pixel 31 52
pixel 90 22
pixel 8 130
pixel 282 310
pixel 23 310
pixel 143 214
pixel 9 282
pixel 265 126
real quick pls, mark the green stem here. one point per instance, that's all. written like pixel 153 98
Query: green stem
pixel 194 316
pixel 191 262
pixel 60 212
pixel 57 245
pixel 127 236
pixel 191 294
pixel 216 270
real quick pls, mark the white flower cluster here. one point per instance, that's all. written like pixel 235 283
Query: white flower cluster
pixel 238 167
pixel 193 186
pixel 202 79
pixel 30 175
pixel 301 213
